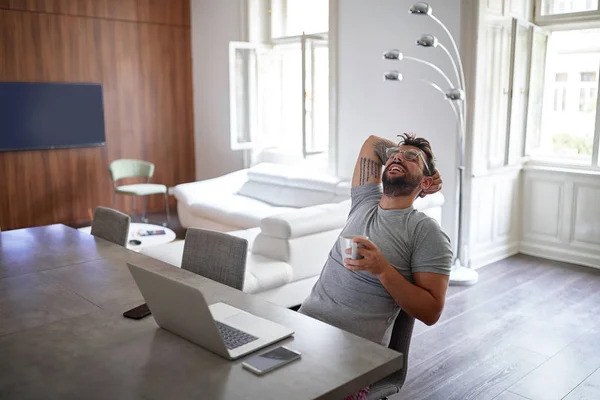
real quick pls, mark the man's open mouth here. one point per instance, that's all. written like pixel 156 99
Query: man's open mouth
pixel 396 167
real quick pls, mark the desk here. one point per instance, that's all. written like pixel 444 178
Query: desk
pixel 62 333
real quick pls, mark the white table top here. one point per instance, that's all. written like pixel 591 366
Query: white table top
pixel 136 231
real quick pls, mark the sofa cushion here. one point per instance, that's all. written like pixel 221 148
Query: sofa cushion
pixel 241 211
pixel 293 176
pixel 306 221
pixel 192 192
pixel 284 196
pixel 306 255
pixel 264 273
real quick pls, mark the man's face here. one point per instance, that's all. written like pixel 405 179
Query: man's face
pixel 402 177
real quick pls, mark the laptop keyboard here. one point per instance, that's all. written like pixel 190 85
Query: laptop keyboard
pixel 232 337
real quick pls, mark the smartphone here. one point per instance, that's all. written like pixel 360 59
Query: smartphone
pixel 266 362
pixel 138 312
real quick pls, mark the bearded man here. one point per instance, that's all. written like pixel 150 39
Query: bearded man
pixel 405 262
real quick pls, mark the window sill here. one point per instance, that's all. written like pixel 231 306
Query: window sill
pixel 516 165
pixel 564 169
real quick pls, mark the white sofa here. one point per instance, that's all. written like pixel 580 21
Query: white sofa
pixel 289 217
pixel 241 199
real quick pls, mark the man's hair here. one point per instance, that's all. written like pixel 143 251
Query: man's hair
pixel 410 139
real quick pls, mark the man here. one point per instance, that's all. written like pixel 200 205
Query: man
pixel 405 263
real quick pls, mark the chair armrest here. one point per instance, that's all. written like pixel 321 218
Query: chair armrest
pixel 306 221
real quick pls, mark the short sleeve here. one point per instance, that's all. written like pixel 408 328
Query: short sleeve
pixel 369 193
pixel 432 251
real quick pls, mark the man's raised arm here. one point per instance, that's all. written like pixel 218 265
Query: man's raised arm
pixel 370 161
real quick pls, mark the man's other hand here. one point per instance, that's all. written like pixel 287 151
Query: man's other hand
pixel 436 186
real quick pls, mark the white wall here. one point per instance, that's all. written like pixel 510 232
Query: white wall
pixel 561 218
pixel 368 105
pixel 495 216
pixel 214 24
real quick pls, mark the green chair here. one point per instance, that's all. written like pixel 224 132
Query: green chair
pixel 127 168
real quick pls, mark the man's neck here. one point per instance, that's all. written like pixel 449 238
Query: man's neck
pixel 397 202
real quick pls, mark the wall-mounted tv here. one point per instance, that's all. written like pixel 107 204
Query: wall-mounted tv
pixel 50 115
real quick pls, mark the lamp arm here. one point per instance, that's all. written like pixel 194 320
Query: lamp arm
pixel 462 74
pixel 458 65
pixel 455 107
pixel 459 78
pixel 435 67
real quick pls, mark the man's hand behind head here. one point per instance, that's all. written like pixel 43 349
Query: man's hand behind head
pixel 436 186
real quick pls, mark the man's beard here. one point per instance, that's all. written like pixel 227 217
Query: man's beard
pixel 399 185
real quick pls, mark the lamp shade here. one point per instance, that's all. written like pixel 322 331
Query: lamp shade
pixel 393 54
pixel 455 94
pixel 427 40
pixel 393 76
pixel 421 8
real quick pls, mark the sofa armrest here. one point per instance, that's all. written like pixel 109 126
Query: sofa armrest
pixel 231 183
pixel 306 221
pixel 430 201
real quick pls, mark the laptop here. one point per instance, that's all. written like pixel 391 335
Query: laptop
pixel 225 330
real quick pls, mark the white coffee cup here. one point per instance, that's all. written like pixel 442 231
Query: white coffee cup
pixel 347 242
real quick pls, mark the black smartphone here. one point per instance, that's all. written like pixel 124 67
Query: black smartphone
pixel 263 363
pixel 138 312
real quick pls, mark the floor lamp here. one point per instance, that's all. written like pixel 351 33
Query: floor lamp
pixel 460 274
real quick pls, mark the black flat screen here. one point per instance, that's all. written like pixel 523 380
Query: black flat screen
pixel 50 115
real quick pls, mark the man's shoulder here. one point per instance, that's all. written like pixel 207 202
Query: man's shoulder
pixel 367 195
pixel 423 222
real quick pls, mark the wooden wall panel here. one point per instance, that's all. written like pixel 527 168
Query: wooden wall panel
pixel 145 70
pixel 171 12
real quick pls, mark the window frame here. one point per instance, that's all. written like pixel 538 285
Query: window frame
pixel 260 30
pixel 556 19
pixel 517 23
pixel 564 22
pixel 234 143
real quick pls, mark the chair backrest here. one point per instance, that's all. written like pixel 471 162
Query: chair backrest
pixel 111 225
pixel 400 341
pixel 216 255
pixel 128 168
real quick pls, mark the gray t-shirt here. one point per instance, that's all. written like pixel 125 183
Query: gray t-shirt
pixel 356 301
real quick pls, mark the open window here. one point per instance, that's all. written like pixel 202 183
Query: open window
pixel 279 95
pixel 566 65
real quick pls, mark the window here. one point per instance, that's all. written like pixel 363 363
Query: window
pixel 295 17
pixel 587 92
pixel 554 7
pixel 560 91
pixel 280 81
pixel 566 127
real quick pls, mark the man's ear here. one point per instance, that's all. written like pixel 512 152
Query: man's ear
pixel 426 182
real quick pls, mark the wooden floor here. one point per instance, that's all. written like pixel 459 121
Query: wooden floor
pixel 530 329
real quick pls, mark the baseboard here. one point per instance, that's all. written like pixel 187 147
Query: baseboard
pixel 493 253
pixel 561 254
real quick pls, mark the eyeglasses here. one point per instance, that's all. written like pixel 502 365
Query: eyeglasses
pixel 409 155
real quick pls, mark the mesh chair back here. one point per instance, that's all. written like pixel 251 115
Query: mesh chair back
pixel 216 255
pixel 400 341
pixel 111 225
